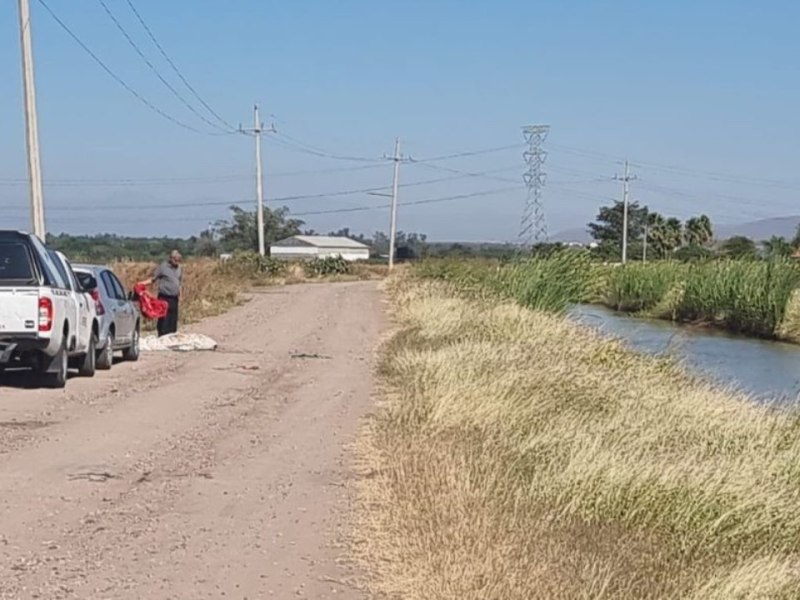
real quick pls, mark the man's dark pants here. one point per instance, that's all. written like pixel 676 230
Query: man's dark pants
pixel 169 324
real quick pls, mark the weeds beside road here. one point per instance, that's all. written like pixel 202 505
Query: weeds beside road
pixel 518 455
pixel 211 287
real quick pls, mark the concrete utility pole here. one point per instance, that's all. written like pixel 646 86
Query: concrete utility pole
pixel 258 127
pixel 395 184
pixel 626 179
pixel 259 185
pixel 31 123
pixel 644 247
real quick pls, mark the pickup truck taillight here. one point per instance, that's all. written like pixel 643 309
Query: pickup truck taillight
pixel 45 314
pixel 98 304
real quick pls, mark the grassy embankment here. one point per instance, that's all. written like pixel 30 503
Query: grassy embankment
pixel 212 287
pixel 518 455
pixel 757 298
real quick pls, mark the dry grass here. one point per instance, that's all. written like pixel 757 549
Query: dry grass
pixel 209 290
pixel 518 455
pixel 206 292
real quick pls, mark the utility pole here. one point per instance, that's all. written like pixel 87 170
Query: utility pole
pixel 31 123
pixel 644 248
pixel 395 184
pixel 626 179
pixel 258 127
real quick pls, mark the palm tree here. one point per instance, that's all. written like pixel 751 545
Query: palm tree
pixel 664 234
pixel 698 231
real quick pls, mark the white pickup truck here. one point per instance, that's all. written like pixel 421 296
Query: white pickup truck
pixel 47 319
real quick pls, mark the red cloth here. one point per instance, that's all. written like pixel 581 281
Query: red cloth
pixel 152 308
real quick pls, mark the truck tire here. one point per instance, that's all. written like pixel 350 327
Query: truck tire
pixel 105 359
pixel 88 361
pixel 56 374
pixel 131 353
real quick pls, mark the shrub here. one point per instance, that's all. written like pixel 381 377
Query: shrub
pixel 250 264
pixel 330 265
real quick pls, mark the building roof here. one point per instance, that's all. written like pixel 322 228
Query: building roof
pixel 322 241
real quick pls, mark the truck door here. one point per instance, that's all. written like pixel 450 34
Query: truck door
pixel 127 315
pixel 66 305
pixel 85 307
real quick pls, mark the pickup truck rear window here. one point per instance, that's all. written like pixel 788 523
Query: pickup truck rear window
pixel 15 263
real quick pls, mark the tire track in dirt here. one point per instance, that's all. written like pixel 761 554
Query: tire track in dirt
pixel 223 481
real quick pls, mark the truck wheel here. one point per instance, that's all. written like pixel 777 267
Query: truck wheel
pixel 106 357
pixel 57 378
pixel 131 353
pixel 87 365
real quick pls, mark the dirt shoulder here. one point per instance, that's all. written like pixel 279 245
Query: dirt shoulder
pixel 208 475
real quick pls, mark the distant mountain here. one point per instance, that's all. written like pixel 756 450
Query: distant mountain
pixel 760 230
pixel 579 235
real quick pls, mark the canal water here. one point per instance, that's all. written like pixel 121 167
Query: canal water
pixel 769 371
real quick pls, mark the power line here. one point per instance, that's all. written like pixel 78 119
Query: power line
pixel 469 153
pixel 118 79
pixel 331 170
pixel 710 175
pixel 715 176
pixel 127 182
pixel 337 193
pixel 133 181
pixel 479 174
pixel 340 210
pixel 409 203
pixel 153 68
pixel 156 181
pixel 299 146
pixel 174 67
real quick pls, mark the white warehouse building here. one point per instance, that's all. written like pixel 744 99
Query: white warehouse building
pixel 308 247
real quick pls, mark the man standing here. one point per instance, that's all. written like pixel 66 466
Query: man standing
pixel 169 277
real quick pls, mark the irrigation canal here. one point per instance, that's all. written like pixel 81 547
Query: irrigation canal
pixel 766 370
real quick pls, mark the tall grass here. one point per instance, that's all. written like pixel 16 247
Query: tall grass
pixel 743 296
pixel 551 283
pixel 517 455
pixel 639 287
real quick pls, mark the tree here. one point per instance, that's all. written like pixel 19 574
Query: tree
pixel 608 223
pixel 206 243
pixel 699 231
pixel 777 247
pixel 664 235
pixel 739 247
pixel 693 253
pixel 240 232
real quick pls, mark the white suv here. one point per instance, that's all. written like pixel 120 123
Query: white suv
pixel 47 319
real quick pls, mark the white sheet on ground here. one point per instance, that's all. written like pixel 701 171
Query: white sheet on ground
pixel 178 342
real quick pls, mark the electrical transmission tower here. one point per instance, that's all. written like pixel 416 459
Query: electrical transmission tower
pixel 533 227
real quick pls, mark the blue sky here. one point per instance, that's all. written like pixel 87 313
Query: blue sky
pixel 711 88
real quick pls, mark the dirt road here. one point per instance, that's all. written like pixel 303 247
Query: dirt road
pixel 206 475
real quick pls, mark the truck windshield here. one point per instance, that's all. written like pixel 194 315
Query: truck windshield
pixel 15 263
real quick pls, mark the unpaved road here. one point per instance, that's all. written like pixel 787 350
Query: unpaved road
pixel 206 475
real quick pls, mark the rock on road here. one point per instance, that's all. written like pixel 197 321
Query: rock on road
pixel 209 475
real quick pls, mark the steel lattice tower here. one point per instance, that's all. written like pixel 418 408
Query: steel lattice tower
pixel 533 227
